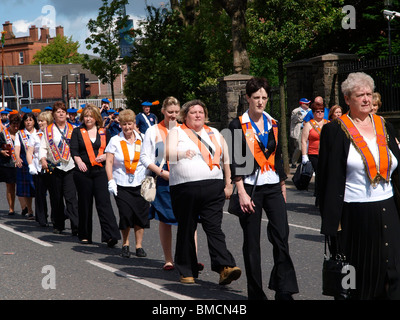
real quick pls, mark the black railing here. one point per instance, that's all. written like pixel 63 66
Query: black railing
pixel 386 74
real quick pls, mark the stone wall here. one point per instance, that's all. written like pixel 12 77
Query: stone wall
pixel 317 76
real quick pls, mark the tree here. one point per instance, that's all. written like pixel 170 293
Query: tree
pixel 280 29
pixel 173 57
pixel 62 50
pixel 236 10
pixel 104 41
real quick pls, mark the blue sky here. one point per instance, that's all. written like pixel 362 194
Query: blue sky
pixel 73 15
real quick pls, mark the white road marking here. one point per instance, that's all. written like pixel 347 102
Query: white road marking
pixel 140 280
pixel 23 235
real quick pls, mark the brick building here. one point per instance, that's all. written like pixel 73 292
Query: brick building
pixel 20 51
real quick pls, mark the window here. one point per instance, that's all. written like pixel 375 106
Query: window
pixel 21 58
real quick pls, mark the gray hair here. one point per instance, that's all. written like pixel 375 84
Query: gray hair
pixel 356 80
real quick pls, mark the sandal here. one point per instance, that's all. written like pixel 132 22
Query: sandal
pixel 168 267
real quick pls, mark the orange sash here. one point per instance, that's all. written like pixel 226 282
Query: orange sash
pixel 258 154
pixel 315 125
pixel 211 160
pixel 163 134
pixel 130 166
pixel 375 171
pixel 89 146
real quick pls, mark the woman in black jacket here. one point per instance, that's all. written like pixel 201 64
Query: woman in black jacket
pixel 358 175
pixel 87 148
pixel 256 154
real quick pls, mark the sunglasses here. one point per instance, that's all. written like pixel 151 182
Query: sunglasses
pixel 319 111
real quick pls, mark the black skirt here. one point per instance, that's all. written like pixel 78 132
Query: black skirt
pixel 133 209
pixel 8 174
pixel 371 242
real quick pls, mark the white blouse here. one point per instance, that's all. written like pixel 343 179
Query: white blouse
pixel 119 172
pixel 34 142
pixel 195 169
pixel 358 187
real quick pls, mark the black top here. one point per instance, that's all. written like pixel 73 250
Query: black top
pixel 78 147
pixel 243 162
pixel 5 161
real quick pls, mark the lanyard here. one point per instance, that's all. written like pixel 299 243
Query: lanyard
pixel 263 136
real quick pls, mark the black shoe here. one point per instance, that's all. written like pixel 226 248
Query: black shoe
pixel 24 212
pixel 112 242
pixel 11 213
pixel 57 231
pixel 125 252
pixel 140 253
pixel 283 296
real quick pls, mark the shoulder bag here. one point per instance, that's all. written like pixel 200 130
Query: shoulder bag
pixel 148 188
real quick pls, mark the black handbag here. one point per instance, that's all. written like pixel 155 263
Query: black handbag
pixel 234 204
pixel 332 274
pixel 303 175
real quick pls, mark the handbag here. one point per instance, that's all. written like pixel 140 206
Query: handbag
pixel 234 204
pixel 332 274
pixel 303 175
pixel 148 187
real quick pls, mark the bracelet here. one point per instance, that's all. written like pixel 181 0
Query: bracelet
pixel 161 172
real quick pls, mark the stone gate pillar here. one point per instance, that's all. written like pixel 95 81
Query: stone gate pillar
pixel 232 91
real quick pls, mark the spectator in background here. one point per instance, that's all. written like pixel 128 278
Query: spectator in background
pixel 376 102
pixel 145 119
pixel 296 125
pixel 335 112
pixel 72 117
pixel 105 106
pixel 318 101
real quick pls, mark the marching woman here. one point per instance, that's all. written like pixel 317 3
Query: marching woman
pixel 25 185
pixel 257 160
pixel 153 158
pixel 88 143
pixel 198 189
pixel 54 155
pixel 125 174
pixel 358 170
pixel 35 169
pixel 8 171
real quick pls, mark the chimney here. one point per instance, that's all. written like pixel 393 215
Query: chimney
pixel 44 34
pixel 60 31
pixel 7 26
pixel 34 33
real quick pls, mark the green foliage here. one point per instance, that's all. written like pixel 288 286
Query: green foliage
pixel 171 59
pixel 104 41
pixel 62 50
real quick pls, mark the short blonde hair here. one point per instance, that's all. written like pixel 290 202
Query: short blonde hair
pixel 46 116
pixel 377 97
pixel 93 111
pixel 127 115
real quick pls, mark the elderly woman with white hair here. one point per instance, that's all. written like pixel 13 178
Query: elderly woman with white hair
pixel 358 176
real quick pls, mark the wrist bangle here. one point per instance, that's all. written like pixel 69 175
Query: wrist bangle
pixel 161 172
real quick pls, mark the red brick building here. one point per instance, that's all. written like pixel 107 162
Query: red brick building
pixel 20 51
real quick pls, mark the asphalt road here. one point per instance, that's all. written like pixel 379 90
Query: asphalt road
pixel 36 264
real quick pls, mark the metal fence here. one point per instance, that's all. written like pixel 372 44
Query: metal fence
pixel 386 74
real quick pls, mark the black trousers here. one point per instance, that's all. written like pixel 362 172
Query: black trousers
pixel 191 201
pixel 62 187
pixel 40 180
pixel 93 184
pixel 283 277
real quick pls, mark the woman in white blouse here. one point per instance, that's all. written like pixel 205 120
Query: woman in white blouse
pixel 25 185
pixel 198 189
pixel 35 169
pixel 125 174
